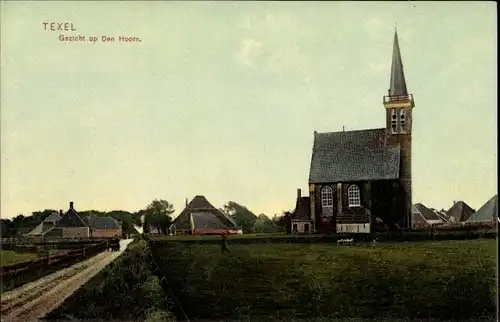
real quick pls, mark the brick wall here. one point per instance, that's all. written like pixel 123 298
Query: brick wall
pixel 405 141
pixel 106 232
pixel 75 232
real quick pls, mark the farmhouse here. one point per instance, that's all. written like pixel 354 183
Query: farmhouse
pixel 424 217
pixel 200 217
pixel 46 225
pixel 459 212
pixel 487 213
pixel 357 176
pixel 105 227
pixel 69 226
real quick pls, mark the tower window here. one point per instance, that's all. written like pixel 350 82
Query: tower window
pixel 394 121
pixel 354 196
pixel 402 121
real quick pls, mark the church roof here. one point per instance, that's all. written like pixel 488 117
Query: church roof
pixel 398 82
pixel 353 156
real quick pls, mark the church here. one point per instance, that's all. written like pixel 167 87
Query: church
pixel 359 177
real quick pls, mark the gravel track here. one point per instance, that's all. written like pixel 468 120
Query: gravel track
pixel 34 300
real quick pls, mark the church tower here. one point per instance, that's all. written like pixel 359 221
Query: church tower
pixel 399 108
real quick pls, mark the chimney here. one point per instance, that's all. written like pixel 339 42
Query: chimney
pixel 186 202
pixel 454 202
pixel 71 205
pixel 60 212
pixel 299 193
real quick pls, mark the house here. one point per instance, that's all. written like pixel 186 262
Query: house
pixel 487 213
pixel 300 219
pixel 200 217
pixel 459 212
pixel 357 176
pixel 424 217
pixel 105 227
pixel 47 224
pixel 442 215
pixel 70 225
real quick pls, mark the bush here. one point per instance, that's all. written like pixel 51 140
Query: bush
pixel 124 290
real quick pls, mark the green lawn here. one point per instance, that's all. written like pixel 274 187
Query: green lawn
pixel 8 257
pixel 445 280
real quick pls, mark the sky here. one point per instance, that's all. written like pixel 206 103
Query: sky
pixel 222 99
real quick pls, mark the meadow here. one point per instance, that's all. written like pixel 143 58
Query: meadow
pixel 259 282
pixel 9 257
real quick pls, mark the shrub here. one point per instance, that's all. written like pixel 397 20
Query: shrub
pixel 124 290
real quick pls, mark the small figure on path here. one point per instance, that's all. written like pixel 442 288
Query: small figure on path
pixel 224 244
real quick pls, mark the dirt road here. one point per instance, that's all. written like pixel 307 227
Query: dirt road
pixel 32 301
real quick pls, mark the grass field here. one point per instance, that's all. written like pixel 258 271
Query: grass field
pixel 9 257
pixel 437 280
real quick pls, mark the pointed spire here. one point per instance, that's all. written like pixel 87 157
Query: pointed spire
pixel 398 83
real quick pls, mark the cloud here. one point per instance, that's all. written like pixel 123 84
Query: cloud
pixel 250 50
pixel 275 43
pixel 377 68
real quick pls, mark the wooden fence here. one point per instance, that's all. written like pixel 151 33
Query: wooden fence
pixel 50 240
pixel 15 269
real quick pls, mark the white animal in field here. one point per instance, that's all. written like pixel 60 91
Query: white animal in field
pixel 345 241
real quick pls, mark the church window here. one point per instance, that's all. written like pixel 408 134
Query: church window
pixel 327 197
pixel 394 120
pixel 402 124
pixel 354 196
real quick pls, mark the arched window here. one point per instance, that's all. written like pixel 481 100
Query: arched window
pixel 394 121
pixel 354 196
pixel 402 121
pixel 327 201
pixel 326 197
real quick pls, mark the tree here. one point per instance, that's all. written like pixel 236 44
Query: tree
pixel 243 217
pixel 283 222
pixel 158 214
pixel 264 224
pixel 136 219
pixel 125 217
pixel 8 229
